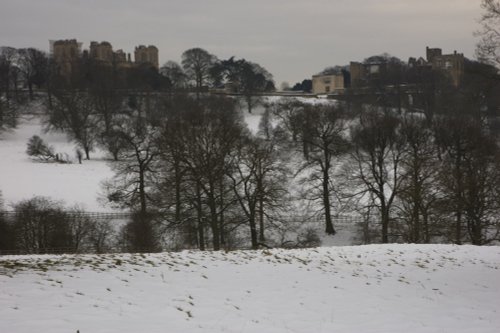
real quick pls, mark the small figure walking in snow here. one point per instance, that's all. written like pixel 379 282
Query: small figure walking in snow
pixel 79 155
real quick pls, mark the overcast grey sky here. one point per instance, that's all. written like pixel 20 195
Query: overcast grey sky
pixel 293 39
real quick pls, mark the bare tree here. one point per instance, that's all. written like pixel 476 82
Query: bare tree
pixel 289 114
pixel 73 112
pixel 323 137
pixel 481 194
pixel 177 198
pixel 134 172
pixel 254 79
pixel 197 63
pixel 7 235
pixel 9 73
pixel 450 136
pixel 209 135
pixel 175 74
pixel 101 235
pixel 245 77
pixel 134 182
pixel 259 183
pixel 378 152
pixel 34 66
pixel 489 45
pixel 469 178
pixel 419 196
pixel 41 226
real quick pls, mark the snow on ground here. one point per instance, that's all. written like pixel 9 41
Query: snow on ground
pixel 22 178
pixel 375 288
pixel 253 119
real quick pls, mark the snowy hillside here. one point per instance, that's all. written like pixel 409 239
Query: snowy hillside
pixel 390 288
pixel 22 178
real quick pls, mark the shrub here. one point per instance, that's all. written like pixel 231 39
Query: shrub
pixel 37 148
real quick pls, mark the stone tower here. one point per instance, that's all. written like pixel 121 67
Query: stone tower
pixel 65 54
pixel 101 52
pixel 146 55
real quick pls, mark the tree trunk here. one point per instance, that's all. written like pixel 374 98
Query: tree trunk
pixel 214 223
pixel 221 218
pixel 330 230
pixel 262 238
pixel 142 191
pixel 249 103
pixel 253 231
pixel 178 191
pixel 201 224
pixel 385 224
pixel 30 89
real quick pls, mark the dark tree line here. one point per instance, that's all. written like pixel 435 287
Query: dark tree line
pixel 198 170
pixel 42 225
pixel 187 164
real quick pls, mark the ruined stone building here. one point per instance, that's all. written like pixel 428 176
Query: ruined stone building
pixel 101 52
pixel 453 64
pixel 146 54
pixel 388 71
pixel 66 54
pixel 377 70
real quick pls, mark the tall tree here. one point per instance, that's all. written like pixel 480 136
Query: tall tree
pixel 197 63
pixel 244 77
pixel 41 226
pixel 135 181
pixel 134 172
pixel 34 66
pixel 175 74
pixel 209 135
pixel 259 183
pixel 378 152
pixel 469 178
pixel 419 195
pixel 254 79
pixel 488 48
pixel 9 74
pixel 323 135
pixel 74 113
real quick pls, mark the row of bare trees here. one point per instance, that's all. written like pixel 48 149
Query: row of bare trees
pixel 42 225
pixel 188 165
pixel 181 162
pixel 199 170
pixel 422 181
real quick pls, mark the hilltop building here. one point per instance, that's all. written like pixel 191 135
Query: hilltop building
pixel 386 71
pixel 378 70
pixel 67 53
pixel 327 83
pixel 103 52
pixel 453 64
pixel 362 72
pixel 146 55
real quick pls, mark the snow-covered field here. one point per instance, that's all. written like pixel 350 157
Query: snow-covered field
pixel 21 178
pixel 76 184
pixel 389 288
pixel 377 288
